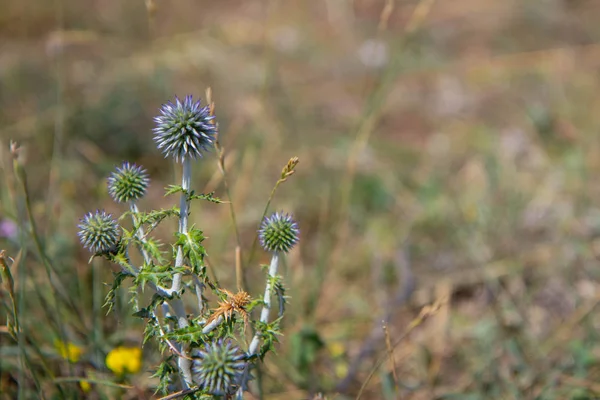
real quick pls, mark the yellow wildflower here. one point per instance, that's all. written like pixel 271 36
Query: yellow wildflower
pixel 68 351
pixel 85 386
pixel 122 360
pixel 338 351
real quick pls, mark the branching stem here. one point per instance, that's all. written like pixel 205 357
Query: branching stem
pixel 264 314
pixel 264 318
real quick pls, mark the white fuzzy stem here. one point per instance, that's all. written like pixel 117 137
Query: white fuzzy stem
pixel 264 318
pixel 199 289
pixel 139 234
pixel 264 314
pixel 183 218
pixel 183 361
pixel 208 328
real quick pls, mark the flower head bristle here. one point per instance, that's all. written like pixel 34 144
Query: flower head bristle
pixel 217 367
pixel 128 183
pixel 278 233
pixel 233 303
pixel 98 232
pixel 184 129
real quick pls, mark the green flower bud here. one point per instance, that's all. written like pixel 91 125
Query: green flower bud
pixel 218 366
pixel 98 232
pixel 128 183
pixel 278 233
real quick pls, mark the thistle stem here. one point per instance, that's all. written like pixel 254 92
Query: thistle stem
pixel 264 314
pixel 183 361
pixel 264 318
pixel 139 234
pixel 208 328
pixel 176 304
pixel 199 289
pixel 178 308
pixel 183 218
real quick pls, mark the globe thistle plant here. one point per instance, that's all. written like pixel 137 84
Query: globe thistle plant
pixel 128 183
pixel 278 233
pixel 184 129
pixel 98 232
pixel 218 366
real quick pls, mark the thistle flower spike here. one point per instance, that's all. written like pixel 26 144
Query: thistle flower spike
pixel 98 232
pixel 217 367
pixel 278 233
pixel 128 183
pixel 184 129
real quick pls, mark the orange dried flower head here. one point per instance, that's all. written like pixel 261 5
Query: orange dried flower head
pixel 233 303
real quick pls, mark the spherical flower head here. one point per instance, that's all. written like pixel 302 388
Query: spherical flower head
pixel 128 183
pixel 218 366
pixel 124 360
pixel 98 232
pixel 278 233
pixel 184 129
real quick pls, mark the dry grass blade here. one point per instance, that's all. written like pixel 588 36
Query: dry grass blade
pixel 425 313
pixel 288 170
pixel 390 350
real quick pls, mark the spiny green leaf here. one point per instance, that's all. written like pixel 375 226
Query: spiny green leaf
pixel 112 293
pixel 205 196
pixel 173 189
pixel 268 333
pixel 191 194
pixel 164 372
pixel 158 275
pixel 152 218
pixel 120 259
pixel 193 250
pixel 192 333
pixel 151 330
pixel 279 290
pixel 151 246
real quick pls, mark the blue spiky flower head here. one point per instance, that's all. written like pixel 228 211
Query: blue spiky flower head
pixel 99 232
pixel 278 233
pixel 128 183
pixel 217 366
pixel 184 129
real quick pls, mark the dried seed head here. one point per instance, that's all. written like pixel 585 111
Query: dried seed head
pixel 98 232
pixel 128 183
pixel 278 233
pixel 234 303
pixel 184 129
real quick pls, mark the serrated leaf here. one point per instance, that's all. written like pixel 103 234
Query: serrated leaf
pixel 120 259
pixel 205 196
pixel 164 372
pixel 151 246
pixel 112 293
pixel 268 333
pixel 192 248
pixel 279 290
pixel 192 333
pixel 173 189
pixel 151 330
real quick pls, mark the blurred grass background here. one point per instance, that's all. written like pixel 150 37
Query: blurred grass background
pixel 449 155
